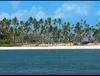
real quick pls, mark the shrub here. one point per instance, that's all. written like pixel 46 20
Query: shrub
pixel 37 45
pixel 84 42
pixel 3 45
pixel 4 41
pixel 9 45
pixel 75 43
pixel 14 45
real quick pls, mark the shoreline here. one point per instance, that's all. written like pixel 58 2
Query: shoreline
pixel 51 48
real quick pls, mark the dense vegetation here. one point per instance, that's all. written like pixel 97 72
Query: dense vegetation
pixel 46 31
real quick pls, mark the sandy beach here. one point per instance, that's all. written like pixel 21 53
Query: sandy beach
pixel 51 48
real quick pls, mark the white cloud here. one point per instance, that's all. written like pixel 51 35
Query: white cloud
pixel 98 12
pixel 3 15
pixel 69 9
pixel 35 12
pixel 66 10
pixel 18 14
pixel 15 4
pixel 40 14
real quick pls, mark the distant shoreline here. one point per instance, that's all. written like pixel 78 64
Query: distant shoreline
pixel 51 48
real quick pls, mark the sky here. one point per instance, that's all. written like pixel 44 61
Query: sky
pixel 69 11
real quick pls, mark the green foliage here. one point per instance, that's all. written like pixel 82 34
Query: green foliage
pixel 37 45
pixel 46 31
pixel 4 45
pixel 84 42
pixel 10 45
pixel 75 43
pixel 4 41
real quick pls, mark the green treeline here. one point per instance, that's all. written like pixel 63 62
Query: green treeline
pixel 46 31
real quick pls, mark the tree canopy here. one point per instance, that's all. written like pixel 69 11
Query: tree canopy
pixel 47 31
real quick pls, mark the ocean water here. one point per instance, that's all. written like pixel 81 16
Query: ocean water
pixel 53 62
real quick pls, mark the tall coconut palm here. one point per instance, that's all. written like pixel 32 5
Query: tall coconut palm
pixel 78 31
pixel 30 20
pixel 55 21
pixel 59 27
pixel 41 25
pixel 22 28
pixel 11 34
pixel 15 25
pixel 65 31
pixel 27 29
pixel 59 22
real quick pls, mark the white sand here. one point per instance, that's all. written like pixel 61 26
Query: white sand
pixel 51 48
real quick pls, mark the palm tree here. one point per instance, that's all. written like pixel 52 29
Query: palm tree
pixel 65 31
pixel 11 34
pixel 49 20
pixel 30 20
pixel 22 29
pixel 8 24
pixel 59 27
pixel 55 21
pixel 27 29
pixel 50 31
pixel 41 25
pixel 15 23
pixel 78 31
pixel 69 30
pixel 59 22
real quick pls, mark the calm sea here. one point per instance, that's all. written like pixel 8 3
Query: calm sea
pixel 50 62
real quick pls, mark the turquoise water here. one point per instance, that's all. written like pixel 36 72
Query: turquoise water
pixel 50 62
